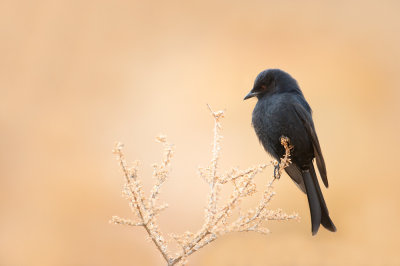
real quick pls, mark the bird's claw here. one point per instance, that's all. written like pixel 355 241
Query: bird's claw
pixel 277 174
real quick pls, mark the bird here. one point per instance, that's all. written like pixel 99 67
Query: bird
pixel 282 111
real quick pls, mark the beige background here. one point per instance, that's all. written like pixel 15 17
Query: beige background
pixel 76 76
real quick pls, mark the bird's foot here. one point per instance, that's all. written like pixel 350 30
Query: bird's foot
pixel 277 174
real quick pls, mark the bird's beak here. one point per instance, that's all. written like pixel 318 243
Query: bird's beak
pixel 250 95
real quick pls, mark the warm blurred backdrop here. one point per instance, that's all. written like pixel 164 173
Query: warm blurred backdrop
pixel 76 76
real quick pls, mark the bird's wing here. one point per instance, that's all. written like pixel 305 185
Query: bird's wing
pixel 309 126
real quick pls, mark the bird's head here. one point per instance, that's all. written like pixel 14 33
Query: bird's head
pixel 272 80
pixel 264 83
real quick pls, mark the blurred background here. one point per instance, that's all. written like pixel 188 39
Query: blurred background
pixel 77 76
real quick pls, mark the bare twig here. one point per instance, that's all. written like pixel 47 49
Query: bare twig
pixel 218 219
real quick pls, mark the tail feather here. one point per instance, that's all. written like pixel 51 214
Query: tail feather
pixel 325 219
pixel 313 201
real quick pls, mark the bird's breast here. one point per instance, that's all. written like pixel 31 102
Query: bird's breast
pixel 273 118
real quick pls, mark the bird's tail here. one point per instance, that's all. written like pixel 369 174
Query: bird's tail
pixel 318 210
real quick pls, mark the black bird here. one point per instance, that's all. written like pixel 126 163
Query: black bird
pixel 282 110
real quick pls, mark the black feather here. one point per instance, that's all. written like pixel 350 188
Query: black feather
pixel 294 172
pixel 313 201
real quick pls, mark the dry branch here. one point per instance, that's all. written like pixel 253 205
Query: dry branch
pixel 218 217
